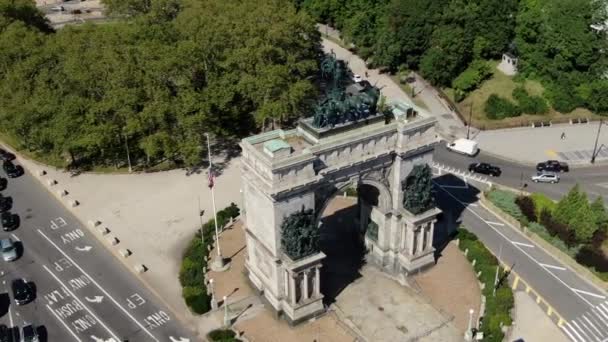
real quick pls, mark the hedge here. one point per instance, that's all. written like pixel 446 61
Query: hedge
pixel 191 276
pixel 541 201
pixel 222 335
pixel 530 104
pixel 505 200
pixel 498 307
pixel 497 108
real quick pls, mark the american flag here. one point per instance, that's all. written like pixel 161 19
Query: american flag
pixel 210 178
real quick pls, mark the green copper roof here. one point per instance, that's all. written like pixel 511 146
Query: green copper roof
pixel 275 145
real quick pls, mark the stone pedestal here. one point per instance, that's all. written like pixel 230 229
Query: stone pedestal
pixel 302 288
pixel 417 251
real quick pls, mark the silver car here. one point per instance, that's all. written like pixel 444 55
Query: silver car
pixel 546 177
pixel 9 252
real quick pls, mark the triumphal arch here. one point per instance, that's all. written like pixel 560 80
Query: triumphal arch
pixel 351 141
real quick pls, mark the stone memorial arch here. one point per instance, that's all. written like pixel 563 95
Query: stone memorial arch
pixel 286 171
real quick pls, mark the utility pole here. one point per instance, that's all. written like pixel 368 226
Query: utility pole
pixel 497 269
pixel 470 119
pixel 200 216
pixel 597 137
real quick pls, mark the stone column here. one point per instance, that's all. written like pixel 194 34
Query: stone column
pixel 292 289
pixel 412 237
pixel 286 281
pixel 317 282
pixel 305 285
pixel 420 241
pixel 431 232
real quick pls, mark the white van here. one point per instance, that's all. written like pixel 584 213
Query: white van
pixel 464 146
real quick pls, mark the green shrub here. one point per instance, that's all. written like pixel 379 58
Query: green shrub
pixel 471 78
pixel 197 299
pixel 530 104
pixel 541 201
pixel 222 335
pixel 497 108
pixel 526 205
pixel 505 200
pixel 191 273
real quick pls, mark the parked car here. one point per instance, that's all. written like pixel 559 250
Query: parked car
pixel 553 166
pixel 5 155
pixel 3 183
pixel 6 203
pixel 546 177
pixel 12 170
pixel 357 78
pixel 8 249
pixel 29 333
pixel 486 169
pixel 4 333
pixel 8 221
pixel 463 146
pixel 23 292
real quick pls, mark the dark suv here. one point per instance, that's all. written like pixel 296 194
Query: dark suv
pixel 486 169
pixel 3 183
pixel 552 166
pixel 6 156
pixel 23 292
pixel 8 221
pixel 12 170
pixel 6 203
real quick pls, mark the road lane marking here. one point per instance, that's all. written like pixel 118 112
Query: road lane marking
pixel 495 223
pixel 588 330
pixel 99 287
pixel 565 329
pixel 83 249
pixel 79 301
pixel 589 293
pixel 523 244
pixel 592 325
pixel 554 267
pixel 600 318
pixel 181 339
pixel 96 299
pixel 524 252
pixel 15 237
pixel 578 327
pixel 64 324
pixel 600 309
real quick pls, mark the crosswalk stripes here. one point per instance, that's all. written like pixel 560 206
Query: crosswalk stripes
pixel 591 326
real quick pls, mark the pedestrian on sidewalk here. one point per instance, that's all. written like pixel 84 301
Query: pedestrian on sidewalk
pixel 563 136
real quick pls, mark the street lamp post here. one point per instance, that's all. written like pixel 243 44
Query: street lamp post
pixel 597 137
pixel 219 263
pixel 468 335
pixel 470 119
pixel 226 318
pixel 213 300
pixel 200 216
pixel 128 154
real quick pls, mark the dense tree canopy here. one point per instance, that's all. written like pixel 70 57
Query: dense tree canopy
pixel 156 80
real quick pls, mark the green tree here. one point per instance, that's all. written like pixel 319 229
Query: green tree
pixel 418 190
pixel 299 234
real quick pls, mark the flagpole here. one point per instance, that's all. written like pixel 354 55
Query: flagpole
pixel 218 263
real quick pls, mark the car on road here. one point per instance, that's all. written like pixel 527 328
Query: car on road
pixel 3 183
pixel 4 333
pixel 463 146
pixel 552 166
pixel 6 203
pixel 29 333
pixel 8 249
pixel 8 221
pixel 486 169
pixel 12 170
pixel 23 292
pixel 545 177
pixel 5 155
pixel 357 78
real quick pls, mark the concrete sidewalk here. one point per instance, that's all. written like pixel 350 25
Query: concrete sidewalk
pixel 530 322
pixel 532 145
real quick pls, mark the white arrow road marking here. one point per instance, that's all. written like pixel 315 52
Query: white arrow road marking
pixel 589 293
pixel 522 244
pixel 553 267
pixel 181 339
pixel 96 299
pixel 83 249
pixel 97 339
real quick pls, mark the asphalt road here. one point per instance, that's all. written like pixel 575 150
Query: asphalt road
pixel 583 306
pixel 593 179
pixel 83 293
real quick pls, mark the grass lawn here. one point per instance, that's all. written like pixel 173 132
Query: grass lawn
pixel 503 86
pixel 408 90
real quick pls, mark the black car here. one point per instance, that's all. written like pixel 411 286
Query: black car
pixel 12 170
pixel 552 166
pixel 8 221
pixel 6 203
pixel 4 333
pixel 6 156
pixel 3 183
pixel 23 292
pixel 485 168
